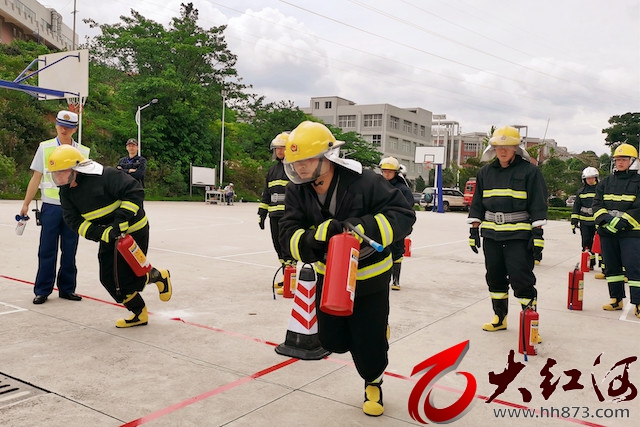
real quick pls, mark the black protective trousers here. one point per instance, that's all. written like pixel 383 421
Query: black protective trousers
pixel 274 225
pixel 510 262
pixel 587 232
pixel 621 256
pixel 128 282
pixel 364 333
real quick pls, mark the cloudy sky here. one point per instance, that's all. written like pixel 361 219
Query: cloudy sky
pixel 560 67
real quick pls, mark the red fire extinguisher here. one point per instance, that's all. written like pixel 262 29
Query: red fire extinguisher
pixel 576 288
pixel 528 334
pixel 407 247
pixel 338 292
pixel 289 281
pixel 584 260
pixel 131 252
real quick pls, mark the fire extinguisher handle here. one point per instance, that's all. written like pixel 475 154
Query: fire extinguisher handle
pixel 375 245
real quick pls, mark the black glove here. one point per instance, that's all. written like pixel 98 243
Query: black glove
pixel 110 234
pixel 536 243
pixel 261 221
pixel 474 238
pixel 616 224
pixel 574 224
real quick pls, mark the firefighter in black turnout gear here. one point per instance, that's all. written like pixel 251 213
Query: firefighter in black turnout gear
pixel 616 209
pixel 391 172
pixel 100 204
pixel 508 209
pixel 582 212
pixel 272 201
pixel 326 192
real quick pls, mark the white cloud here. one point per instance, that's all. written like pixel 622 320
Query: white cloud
pixel 573 63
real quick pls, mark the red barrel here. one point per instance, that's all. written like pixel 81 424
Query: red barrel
pixel 134 256
pixel 339 288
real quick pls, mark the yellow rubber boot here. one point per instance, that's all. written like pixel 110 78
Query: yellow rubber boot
pixel 638 311
pixel 373 399
pixel 162 279
pixel 614 305
pixel 496 324
pixel 278 284
pixel 135 320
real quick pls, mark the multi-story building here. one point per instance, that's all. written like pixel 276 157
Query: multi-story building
pixel 394 131
pixel 30 20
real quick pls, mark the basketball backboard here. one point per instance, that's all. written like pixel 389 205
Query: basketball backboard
pixel 432 155
pixel 64 71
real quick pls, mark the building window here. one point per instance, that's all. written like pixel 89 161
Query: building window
pixel 393 144
pixel 423 131
pixel 347 121
pixel 406 126
pixel 394 123
pixel 372 120
pixel 327 105
pixel 316 105
pixel 376 140
pixel 415 128
pixel 406 146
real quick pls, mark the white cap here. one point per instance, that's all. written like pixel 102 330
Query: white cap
pixel 67 119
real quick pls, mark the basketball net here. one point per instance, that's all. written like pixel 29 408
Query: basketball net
pixel 76 103
pixel 427 166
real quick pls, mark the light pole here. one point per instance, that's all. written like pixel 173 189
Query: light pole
pixel 153 101
pixel 224 99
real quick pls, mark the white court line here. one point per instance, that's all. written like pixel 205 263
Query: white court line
pixel 15 308
pixel 625 312
pixel 221 258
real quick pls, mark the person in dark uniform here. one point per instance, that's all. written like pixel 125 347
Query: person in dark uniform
pixel 616 208
pixel 391 172
pixel 582 213
pixel 133 164
pixel 508 209
pixel 326 192
pixel 101 204
pixel 272 201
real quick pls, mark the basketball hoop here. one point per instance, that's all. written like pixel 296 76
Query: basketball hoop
pixel 76 103
pixel 427 165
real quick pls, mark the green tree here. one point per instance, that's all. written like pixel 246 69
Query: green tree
pixel 624 128
pixel 186 68
pixel 356 148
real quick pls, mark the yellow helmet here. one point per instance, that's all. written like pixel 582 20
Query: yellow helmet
pixel 64 157
pixel 279 141
pixel 506 135
pixel 390 163
pixel 625 150
pixel 309 140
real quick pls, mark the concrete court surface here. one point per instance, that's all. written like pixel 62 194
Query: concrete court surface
pixel 207 356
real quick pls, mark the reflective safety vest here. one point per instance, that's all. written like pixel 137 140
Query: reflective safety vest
pixel 49 190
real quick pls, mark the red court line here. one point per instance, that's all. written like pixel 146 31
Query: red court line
pixel 192 400
pixel 241 381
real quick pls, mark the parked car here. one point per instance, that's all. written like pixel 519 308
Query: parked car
pixel 416 198
pixel 570 201
pixel 451 199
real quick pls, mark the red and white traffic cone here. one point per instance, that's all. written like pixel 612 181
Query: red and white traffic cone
pixel 302 340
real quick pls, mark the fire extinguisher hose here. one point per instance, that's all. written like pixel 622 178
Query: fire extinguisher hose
pixel 375 245
pixel 115 268
pixel 274 280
